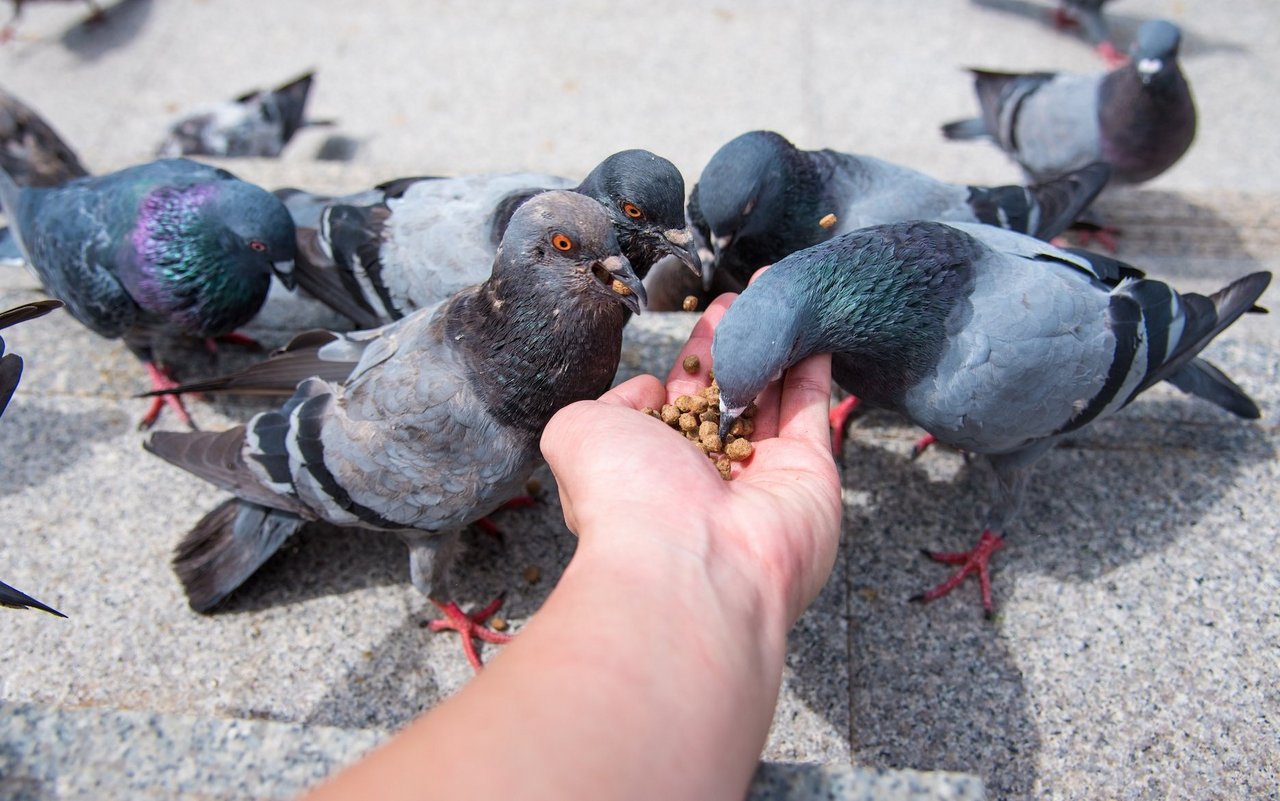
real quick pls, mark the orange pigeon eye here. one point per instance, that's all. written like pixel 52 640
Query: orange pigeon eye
pixel 632 210
pixel 561 242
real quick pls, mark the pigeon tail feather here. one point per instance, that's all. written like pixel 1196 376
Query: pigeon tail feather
pixel 226 547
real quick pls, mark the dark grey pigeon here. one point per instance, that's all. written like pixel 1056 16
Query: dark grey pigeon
pixel 994 342
pixel 30 149
pixel 10 373
pixel 154 253
pixel 424 425
pixel 258 123
pixel 761 198
pixel 1138 118
pixel 430 237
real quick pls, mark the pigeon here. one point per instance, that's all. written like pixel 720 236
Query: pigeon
pixel 1087 15
pixel 992 341
pixel 258 123
pixel 30 150
pixel 10 372
pixel 761 198
pixel 1139 118
pixel 429 237
pixel 155 253
pixel 424 425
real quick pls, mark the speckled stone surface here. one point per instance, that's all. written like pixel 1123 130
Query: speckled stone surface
pixel 1134 655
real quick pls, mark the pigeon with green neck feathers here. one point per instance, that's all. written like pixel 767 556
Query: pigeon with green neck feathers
pixel 425 425
pixel 154 253
pixel 993 342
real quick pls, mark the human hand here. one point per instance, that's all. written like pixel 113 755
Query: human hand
pixel 627 480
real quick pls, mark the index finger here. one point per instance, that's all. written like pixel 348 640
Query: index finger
pixel 679 380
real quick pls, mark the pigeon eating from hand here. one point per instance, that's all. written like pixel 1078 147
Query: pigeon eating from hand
pixel 258 123
pixel 30 150
pixel 1139 118
pixel 761 198
pixel 10 373
pixel 424 425
pixel 994 342
pixel 153 253
pixel 430 237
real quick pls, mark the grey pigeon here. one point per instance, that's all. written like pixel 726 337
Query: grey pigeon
pixel 430 237
pixel 761 198
pixel 258 123
pixel 30 149
pixel 994 342
pixel 424 425
pixel 154 253
pixel 10 372
pixel 1139 118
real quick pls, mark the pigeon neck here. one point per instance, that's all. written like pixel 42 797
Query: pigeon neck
pixel 185 273
pixel 531 350
pixel 1144 128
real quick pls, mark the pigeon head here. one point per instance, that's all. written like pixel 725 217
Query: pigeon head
pixel 749 194
pixel 259 228
pixel 1155 50
pixel 759 336
pixel 569 240
pixel 644 195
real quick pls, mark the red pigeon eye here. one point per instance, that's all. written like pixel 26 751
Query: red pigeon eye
pixel 258 245
pixel 562 242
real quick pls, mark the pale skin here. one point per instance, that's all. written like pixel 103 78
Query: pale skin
pixel 653 668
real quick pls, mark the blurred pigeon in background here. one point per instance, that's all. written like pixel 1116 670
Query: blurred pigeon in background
pixel 10 373
pixel 1087 15
pixel 1139 118
pixel 30 150
pixel 994 342
pixel 422 426
pixel 761 198
pixel 258 123
pixel 155 252
pixel 430 237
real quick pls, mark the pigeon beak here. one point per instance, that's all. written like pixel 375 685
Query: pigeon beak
pixel 728 417
pixel 679 243
pixel 616 272
pixel 284 271
pixel 1148 68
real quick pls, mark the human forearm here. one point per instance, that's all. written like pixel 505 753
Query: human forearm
pixel 611 691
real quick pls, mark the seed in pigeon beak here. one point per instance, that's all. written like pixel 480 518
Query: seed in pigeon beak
pixel 827 221
pixel 620 288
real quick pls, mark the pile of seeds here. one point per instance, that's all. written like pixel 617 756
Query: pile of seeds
pixel 698 418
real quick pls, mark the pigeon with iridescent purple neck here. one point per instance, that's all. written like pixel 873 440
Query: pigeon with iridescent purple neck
pixel 157 252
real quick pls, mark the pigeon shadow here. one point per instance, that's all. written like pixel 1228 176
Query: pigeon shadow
pixel 50 441
pixel 318 562
pixel 1123 27
pixel 119 24
pixel 1170 236
pixel 935 686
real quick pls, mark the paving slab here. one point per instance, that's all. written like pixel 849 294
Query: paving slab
pixel 1135 650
